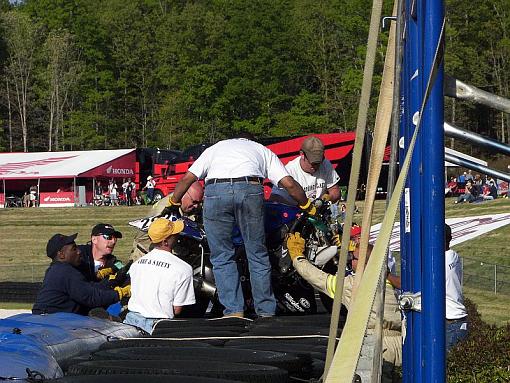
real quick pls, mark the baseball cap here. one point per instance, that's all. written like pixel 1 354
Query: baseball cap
pixel 105 228
pixel 57 242
pixel 313 149
pixel 162 228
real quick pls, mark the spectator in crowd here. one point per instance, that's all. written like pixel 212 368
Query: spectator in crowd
pixel 33 195
pixel 26 200
pixel 97 260
pixel 149 187
pixel 490 191
pixel 392 323
pixel 234 170
pixel 313 172
pixel 470 194
pixel 64 288
pixel 128 188
pixel 456 314
pixel 161 282
pixel 469 176
pixel 190 204
pixel 112 189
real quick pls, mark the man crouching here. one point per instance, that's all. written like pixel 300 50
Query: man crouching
pixel 161 283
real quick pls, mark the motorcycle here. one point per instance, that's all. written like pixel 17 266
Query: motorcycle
pixel 293 294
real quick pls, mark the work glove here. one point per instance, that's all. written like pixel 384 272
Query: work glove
pixel 326 197
pixel 309 208
pixel 121 276
pixel 295 245
pixel 172 208
pixel 337 240
pixel 103 273
pixel 124 292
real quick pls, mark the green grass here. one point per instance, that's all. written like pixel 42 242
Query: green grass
pixel 25 232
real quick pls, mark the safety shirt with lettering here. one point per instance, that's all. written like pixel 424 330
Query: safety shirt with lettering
pixel 159 281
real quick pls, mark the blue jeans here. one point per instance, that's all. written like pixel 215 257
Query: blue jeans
pixel 455 332
pixel 238 203
pixel 138 320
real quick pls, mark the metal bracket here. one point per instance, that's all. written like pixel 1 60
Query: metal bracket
pixel 410 301
pixel 394 18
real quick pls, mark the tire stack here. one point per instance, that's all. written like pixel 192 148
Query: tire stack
pixel 278 349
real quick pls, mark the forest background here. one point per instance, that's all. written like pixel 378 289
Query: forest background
pixel 93 74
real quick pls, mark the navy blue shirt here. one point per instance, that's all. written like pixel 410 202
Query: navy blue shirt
pixel 65 289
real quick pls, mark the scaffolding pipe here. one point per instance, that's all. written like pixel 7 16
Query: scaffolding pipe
pixel 457 89
pixel 474 138
pixel 477 167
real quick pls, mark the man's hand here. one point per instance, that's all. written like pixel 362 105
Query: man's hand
pixel 326 197
pixel 172 207
pixel 124 292
pixel 309 208
pixel 103 273
pixel 296 245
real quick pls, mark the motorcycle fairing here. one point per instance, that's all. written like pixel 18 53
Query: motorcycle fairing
pixel 191 228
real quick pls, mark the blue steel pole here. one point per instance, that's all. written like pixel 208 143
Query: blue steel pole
pixel 433 292
pixel 417 90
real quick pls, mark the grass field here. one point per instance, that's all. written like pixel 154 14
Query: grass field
pixel 25 232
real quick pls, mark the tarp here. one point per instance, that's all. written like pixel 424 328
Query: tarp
pixel 89 163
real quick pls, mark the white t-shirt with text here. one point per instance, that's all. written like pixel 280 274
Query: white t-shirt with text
pixel 314 185
pixel 159 281
pixel 455 308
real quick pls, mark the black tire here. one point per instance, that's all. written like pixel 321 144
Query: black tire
pixel 241 371
pixel 308 342
pixel 290 331
pixel 284 361
pixel 192 333
pixel 303 351
pixel 134 378
pixel 151 342
pixel 199 323
pixel 167 328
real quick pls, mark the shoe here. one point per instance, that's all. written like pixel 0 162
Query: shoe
pixel 239 314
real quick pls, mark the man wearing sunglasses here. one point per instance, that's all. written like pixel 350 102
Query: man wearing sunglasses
pixel 98 260
pixel 313 172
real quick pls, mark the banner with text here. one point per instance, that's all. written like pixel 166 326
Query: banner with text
pixel 463 229
pixel 62 199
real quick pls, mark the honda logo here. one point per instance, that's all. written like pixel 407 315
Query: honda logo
pixel 57 199
pixel 119 171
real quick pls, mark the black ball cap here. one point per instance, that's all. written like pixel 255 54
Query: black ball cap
pixel 105 228
pixel 57 242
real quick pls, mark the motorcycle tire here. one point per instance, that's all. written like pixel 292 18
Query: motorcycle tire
pixel 281 360
pixel 138 378
pixel 252 373
pixel 150 342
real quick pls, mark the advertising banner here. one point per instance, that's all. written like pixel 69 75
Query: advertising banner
pixel 2 200
pixel 62 199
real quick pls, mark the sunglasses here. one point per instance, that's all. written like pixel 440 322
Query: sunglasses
pixel 108 236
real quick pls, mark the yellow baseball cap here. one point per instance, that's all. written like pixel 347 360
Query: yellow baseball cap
pixel 162 228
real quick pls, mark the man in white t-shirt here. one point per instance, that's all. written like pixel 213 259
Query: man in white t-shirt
pixel 234 171
pixel 161 283
pixel 313 172
pixel 456 314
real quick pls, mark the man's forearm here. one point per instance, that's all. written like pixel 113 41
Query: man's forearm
pixel 294 189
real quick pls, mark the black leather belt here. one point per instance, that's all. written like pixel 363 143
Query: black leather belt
pixel 463 319
pixel 233 180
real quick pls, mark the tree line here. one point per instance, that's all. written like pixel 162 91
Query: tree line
pixel 92 74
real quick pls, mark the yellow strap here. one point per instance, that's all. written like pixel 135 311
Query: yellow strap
pixel 354 175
